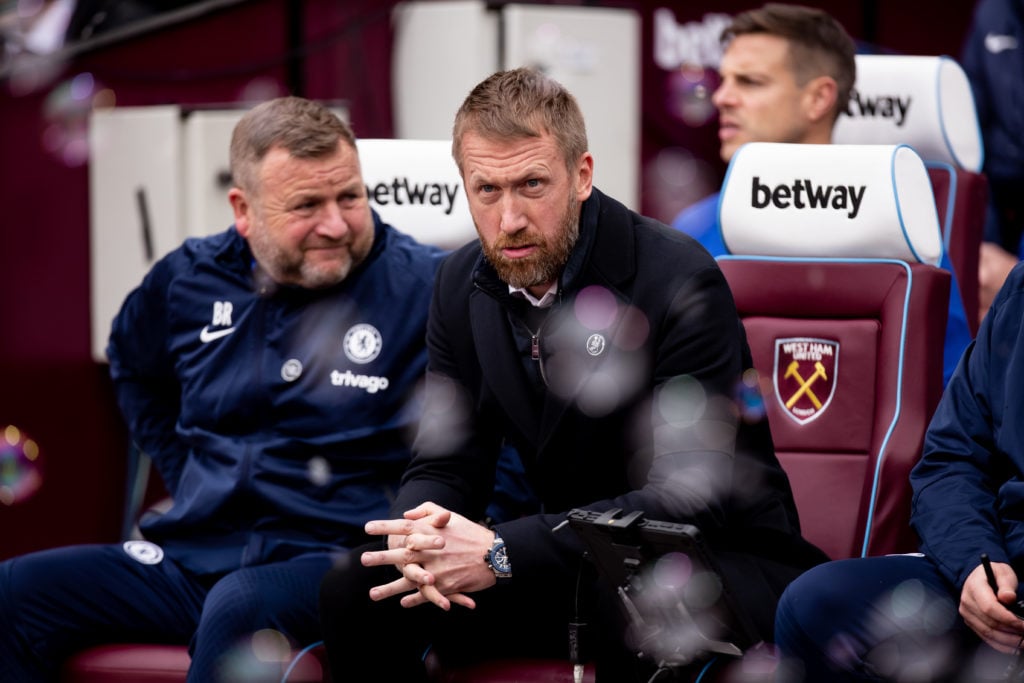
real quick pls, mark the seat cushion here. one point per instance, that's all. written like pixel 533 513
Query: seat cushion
pixel 145 663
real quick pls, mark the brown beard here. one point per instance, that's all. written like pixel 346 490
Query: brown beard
pixel 550 257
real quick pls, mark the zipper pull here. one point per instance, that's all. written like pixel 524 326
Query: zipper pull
pixel 534 347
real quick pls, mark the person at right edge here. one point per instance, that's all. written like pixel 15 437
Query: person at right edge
pixel 941 614
pixel 605 347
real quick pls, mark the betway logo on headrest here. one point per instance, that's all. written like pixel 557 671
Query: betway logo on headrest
pixel 804 194
pixel 885 106
pixel 400 191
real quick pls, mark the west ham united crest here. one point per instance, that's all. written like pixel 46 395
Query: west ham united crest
pixel 805 376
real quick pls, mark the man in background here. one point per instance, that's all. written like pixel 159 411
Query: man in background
pixel 786 75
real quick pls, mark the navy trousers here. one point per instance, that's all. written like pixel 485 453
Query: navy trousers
pixel 892 618
pixel 56 602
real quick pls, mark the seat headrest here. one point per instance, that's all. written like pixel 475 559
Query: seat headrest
pixel 843 201
pixel 415 186
pixel 924 102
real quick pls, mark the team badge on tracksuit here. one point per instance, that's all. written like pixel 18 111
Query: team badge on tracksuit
pixel 144 552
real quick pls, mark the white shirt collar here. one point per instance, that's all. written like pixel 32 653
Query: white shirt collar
pixel 543 302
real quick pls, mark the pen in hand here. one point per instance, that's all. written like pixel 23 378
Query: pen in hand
pixel 989 574
pixel 1018 606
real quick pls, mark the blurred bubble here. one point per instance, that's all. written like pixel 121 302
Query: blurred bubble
pixel 912 643
pixel 271 646
pixel 688 94
pixel 260 90
pixel 674 610
pixel 20 467
pixel 939 616
pixel 672 570
pixel 318 470
pixel 27 9
pixel 907 600
pixel 703 590
pixel 81 87
pixel 816 278
pixel 633 330
pixel 681 400
pixel 674 179
pixel 601 395
pixel 28 73
pixel 716 433
pixel 761 664
pixel 260 658
pixel 676 167
pixel 67 110
pixel 581 359
pixel 596 308
pixel 750 398
pixel 444 416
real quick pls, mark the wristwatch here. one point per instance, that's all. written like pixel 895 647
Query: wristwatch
pixel 497 558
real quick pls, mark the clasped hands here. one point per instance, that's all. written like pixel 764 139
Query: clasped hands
pixel 439 553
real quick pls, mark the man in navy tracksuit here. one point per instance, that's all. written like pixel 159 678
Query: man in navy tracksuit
pixel 267 370
pixel 896 618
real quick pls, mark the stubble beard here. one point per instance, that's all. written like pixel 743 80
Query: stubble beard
pixel 293 268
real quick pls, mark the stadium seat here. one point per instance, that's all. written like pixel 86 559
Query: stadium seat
pixel 842 302
pixel 927 103
pixel 153 663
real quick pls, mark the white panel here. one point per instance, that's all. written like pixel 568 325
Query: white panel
pixel 206 136
pixel 133 152
pixel 441 50
pixel 415 186
pixel 595 53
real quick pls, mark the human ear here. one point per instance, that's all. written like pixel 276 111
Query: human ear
pixel 820 97
pixel 240 207
pixel 584 176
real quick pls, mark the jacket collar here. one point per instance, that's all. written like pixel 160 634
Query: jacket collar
pixel 604 253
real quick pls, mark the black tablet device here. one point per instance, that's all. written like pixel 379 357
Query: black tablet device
pixel 675 598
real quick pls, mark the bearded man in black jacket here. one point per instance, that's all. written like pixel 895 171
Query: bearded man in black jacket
pixel 607 349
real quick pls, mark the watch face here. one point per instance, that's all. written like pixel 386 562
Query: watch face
pixel 497 558
pixel 501 562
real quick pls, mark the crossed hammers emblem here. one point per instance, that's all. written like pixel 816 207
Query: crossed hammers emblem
pixel 805 384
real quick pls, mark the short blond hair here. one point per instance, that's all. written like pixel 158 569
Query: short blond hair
pixel 522 103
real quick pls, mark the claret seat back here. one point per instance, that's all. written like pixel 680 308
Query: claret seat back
pixel 832 263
